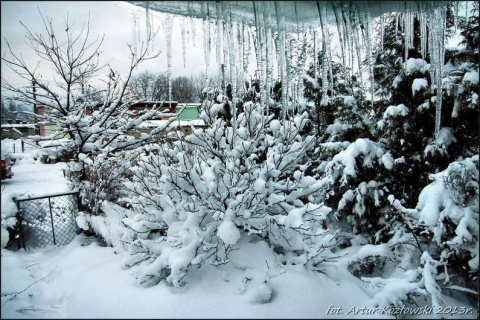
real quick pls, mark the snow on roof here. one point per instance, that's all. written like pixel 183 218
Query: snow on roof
pixel 174 124
pixel 18 125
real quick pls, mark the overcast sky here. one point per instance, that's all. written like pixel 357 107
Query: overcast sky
pixel 109 18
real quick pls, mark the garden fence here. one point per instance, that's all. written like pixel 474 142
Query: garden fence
pixel 47 220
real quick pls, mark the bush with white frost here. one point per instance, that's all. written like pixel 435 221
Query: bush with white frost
pixel 190 201
pixel 435 245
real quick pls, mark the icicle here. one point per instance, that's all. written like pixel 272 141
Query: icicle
pixel 326 51
pixel 231 44
pixel 226 55
pixel 455 15
pixel 281 50
pixel 340 29
pixel 315 55
pixel 260 52
pixel 467 11
pixel 148 25
pixel 138 25
pixel 153 28
pixel 239 58
pixel 348 35
pixel 408 32
pixel 233 59
pixel 365 23
pixel 246 49
pixel 206 46
pixel 288 71
pixel 226 51
pixel 147 17
pixel 324 100
pixel 356 41
pixel 396 26
pixel 371 56
pixel 182 30
pixel 437 20
pixel 264 40
pixel 423 33
pixel 134 33
pixel 206 38
pixel 193 28
pixel 382 31
pixel 268 67
pixel 362 22
pixel 167 26
pixel 296 18
pixel 330 62
pixel 219 37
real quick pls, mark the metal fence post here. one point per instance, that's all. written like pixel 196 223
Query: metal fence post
pixel 19 236
pixel 79 208
pixel 51 217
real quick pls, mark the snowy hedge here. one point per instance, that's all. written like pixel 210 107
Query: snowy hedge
pixel 191 200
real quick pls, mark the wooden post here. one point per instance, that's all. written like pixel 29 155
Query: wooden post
pixel 37 129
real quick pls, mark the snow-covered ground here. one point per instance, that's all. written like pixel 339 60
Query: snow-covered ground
pixel 85 279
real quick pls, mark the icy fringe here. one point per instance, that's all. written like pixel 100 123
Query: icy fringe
pixel 442 232
pixel 193 199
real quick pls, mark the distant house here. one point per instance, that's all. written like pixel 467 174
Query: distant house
pixel 188 118
pixel 140 108
pixel 168 107
pixel 183 123
pixel 17 130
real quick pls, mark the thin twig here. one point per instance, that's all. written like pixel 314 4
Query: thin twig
pixel 16 294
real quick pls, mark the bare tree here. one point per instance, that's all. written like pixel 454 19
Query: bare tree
pixel 149 86
pixel 202 82
pixel 75 60
pixel 184 90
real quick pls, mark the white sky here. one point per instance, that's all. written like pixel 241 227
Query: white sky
pixel 110 18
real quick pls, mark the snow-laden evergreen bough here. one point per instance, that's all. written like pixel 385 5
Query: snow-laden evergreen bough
pixel 436 243
pixel 193 199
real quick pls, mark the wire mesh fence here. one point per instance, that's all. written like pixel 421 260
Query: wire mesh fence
pixel 47 220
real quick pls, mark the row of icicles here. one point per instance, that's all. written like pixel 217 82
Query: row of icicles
pixel 283 55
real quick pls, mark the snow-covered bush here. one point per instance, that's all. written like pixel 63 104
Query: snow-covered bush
pixel 449 212
pixel 190 201
pixel 358 184
pixel 99 178
pixel 8 218
pixel 343 116
pixel 436 244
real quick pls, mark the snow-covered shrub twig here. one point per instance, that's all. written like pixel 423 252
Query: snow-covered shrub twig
pixel 193 199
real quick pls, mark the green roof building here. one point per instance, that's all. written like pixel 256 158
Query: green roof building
pixel 191 111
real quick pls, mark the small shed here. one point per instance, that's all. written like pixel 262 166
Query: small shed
pixel 17 130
